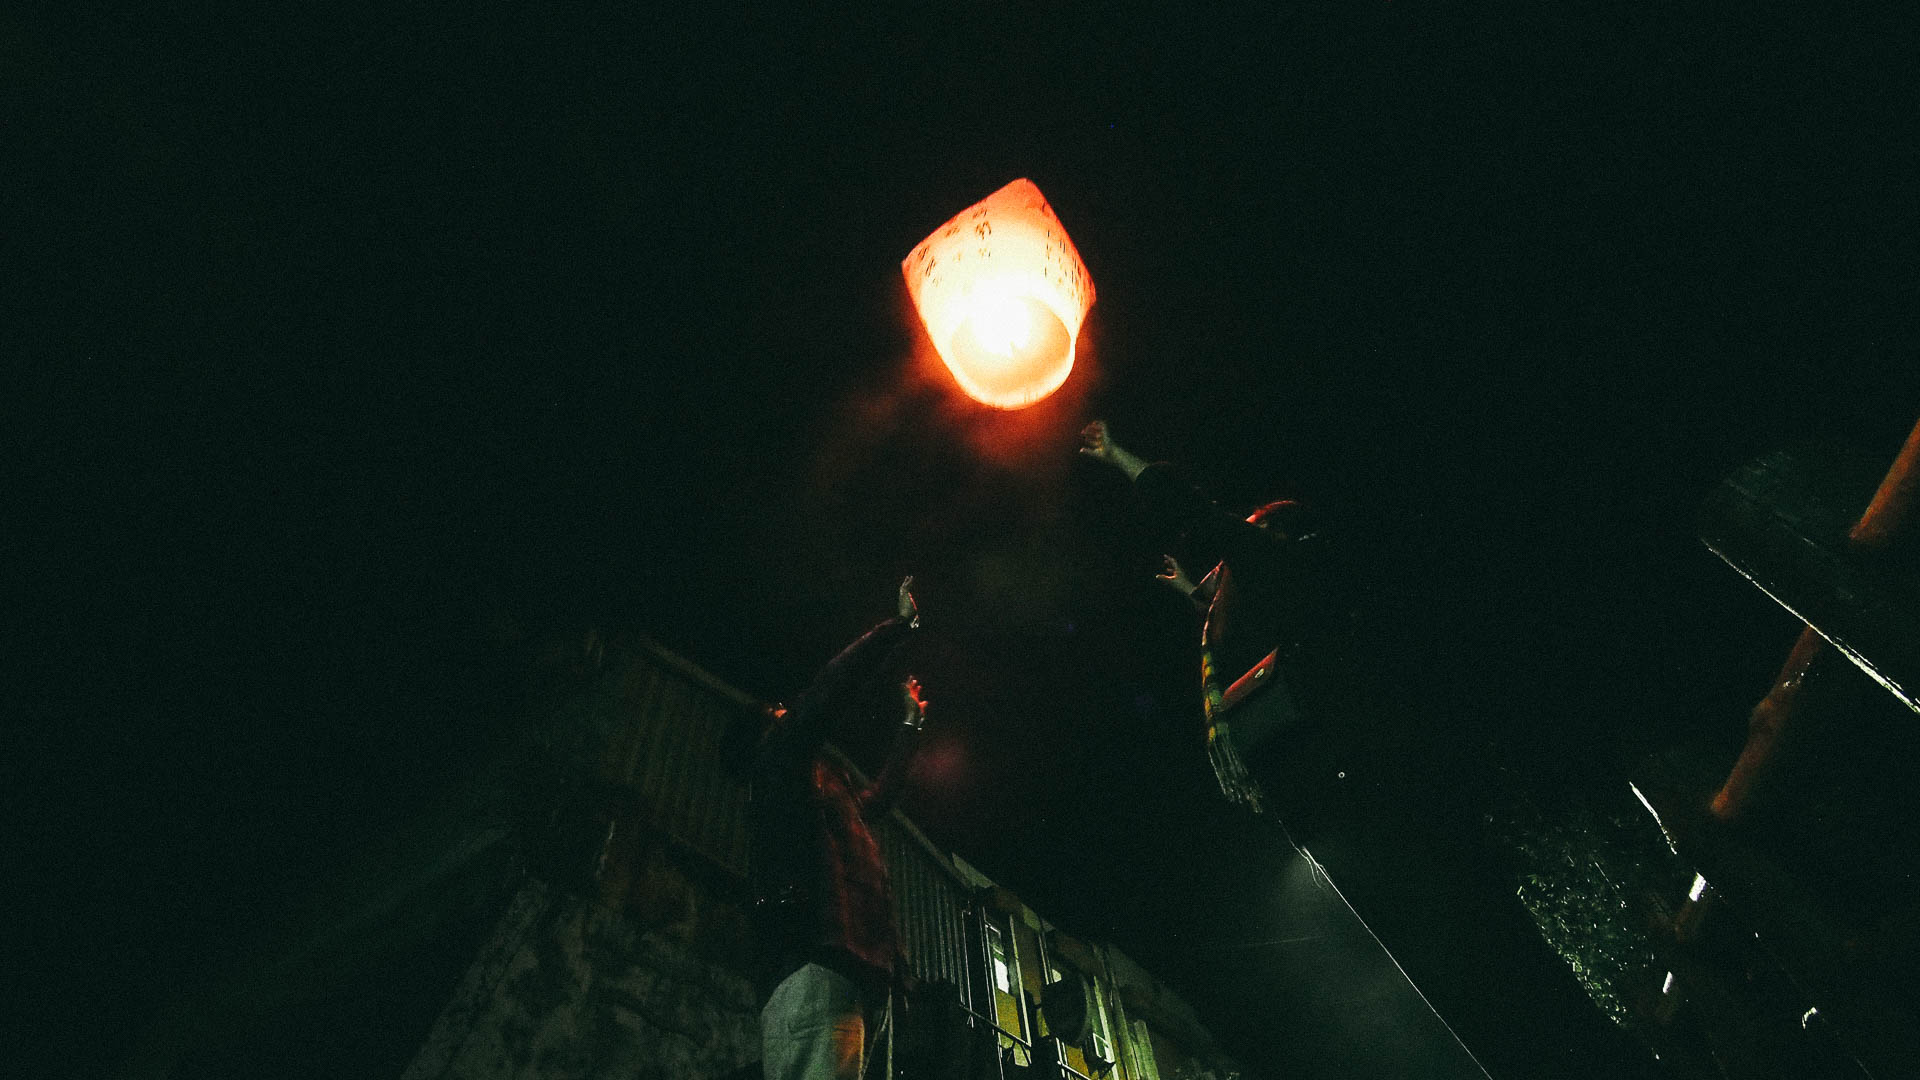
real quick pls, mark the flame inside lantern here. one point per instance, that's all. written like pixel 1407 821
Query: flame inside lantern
pixel 1003 295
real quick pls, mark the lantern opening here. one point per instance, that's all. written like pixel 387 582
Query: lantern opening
pixel 1001 324
pixel 1010 352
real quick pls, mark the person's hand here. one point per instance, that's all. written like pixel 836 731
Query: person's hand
pixel 1173 575
pixel 916 706
pixel 904 605
pixel 1097 442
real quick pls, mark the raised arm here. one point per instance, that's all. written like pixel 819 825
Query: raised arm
pixel 812 716
pixel 1173 507
pixel 886 787
pixel 1096 441
pixel 1174 576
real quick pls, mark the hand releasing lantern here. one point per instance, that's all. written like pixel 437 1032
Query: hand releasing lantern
pixel 1002 293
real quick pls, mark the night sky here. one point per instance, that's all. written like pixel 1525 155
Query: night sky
pixel 329 339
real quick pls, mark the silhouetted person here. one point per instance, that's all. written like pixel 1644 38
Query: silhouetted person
pixel 828 950
pixel 1263 599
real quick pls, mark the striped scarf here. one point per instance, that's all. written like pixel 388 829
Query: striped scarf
pixel 1235 782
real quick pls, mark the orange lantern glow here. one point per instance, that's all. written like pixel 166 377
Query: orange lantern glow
pixel 1002 293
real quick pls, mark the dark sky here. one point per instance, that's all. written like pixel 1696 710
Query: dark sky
pixel 321 329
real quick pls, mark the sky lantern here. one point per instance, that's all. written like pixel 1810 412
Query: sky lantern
pixel 1002 293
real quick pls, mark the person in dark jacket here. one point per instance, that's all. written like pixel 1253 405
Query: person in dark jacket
pixel 826 942
pixel 1264 601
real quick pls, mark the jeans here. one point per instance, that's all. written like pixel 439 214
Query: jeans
pixel 813 1028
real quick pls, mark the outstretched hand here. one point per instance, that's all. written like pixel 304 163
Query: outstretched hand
pixel 1172 574
pixel 904 605
pixel 916 706
pixel 1096 441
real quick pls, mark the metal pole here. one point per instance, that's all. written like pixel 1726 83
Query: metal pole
pixel 1886 515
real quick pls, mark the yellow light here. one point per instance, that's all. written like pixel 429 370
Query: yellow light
pixel 1002 325
pixel 1003 294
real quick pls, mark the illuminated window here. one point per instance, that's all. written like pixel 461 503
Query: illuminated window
pixel 1009 1003
pixel 997 947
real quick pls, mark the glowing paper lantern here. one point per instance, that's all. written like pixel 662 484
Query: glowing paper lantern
pixel 1002 293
